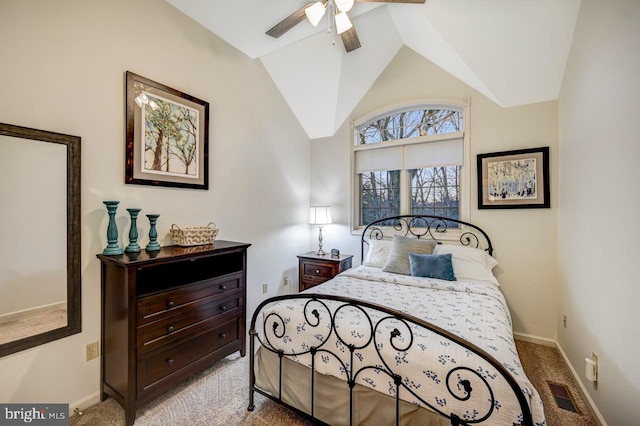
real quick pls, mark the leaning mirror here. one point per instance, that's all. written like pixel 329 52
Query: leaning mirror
pixel 40 243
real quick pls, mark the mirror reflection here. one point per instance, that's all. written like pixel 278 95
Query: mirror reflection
pixel 33 289
pixel 40 244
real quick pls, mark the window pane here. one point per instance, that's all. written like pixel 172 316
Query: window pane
pixel 379 195
pixel 411 124
pixel 435 191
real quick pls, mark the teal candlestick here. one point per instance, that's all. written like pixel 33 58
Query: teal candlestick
pixel 133 246
pixel 112 247
pixel 153 233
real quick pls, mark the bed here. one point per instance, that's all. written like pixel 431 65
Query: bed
pixel 419 333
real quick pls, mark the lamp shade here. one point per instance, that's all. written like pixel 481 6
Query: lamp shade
pixel 315 12
pixel 344 5
pixel 320 215
pixel 343 23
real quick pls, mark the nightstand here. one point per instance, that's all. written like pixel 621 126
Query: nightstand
pixel 314 269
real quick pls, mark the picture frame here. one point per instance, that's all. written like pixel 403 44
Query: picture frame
pixel 517 179
pixel 167 136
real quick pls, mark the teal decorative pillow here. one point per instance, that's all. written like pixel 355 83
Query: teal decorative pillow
pixel 398 261
pixel 438 266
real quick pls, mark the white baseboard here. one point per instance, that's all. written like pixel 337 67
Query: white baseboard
pixel 592 404
pixel 84 403
pixel 535 339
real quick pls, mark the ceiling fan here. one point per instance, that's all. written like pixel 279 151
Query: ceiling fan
pixel 314 12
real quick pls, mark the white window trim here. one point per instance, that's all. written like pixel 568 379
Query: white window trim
pixel 465 175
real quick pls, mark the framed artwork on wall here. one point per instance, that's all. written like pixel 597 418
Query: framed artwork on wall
pixel 514 179
pixel 167 141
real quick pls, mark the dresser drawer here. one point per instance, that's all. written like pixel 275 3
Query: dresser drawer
pixel 310 281
pixel 174 327
pixel 161 365
pixel 315 270
pixel 172 302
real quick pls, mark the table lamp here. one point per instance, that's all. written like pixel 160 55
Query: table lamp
pixel 320 215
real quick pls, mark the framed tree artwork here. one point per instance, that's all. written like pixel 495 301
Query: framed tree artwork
pixel 167 141
pixel 514 179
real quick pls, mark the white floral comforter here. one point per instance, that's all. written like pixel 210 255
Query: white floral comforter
pixel 475 311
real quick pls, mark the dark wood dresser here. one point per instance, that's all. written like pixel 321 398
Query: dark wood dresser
pixel 314 269
pixel 168 315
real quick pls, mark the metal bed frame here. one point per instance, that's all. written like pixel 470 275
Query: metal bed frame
pixel 460 380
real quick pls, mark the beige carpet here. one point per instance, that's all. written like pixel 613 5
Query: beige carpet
pixel 219 396
pixel 35 321
pixel 544 364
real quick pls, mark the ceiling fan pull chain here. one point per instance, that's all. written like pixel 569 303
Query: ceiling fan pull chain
pixel 330 26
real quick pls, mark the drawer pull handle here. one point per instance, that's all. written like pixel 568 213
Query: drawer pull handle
pixel 223 308
pixel 223 335
pixel 171 304
pixel 170 361
pixel 170 329
pixel 317 271
pixel 223 287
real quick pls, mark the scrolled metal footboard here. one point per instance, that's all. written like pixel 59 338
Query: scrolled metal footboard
pixel 385 326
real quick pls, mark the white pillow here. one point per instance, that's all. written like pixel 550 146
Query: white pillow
pixel 470 263
pixel 378 253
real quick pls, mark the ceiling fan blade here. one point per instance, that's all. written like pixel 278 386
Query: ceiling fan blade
pixel 392 1
pixel 289 22
pixel 350 39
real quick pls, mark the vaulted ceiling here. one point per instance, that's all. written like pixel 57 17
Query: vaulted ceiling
pixel 512 51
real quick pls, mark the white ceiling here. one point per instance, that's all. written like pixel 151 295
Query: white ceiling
pixel 512 51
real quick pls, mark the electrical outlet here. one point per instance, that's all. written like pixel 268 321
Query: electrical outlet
pixel 564 321
pixel 286 280
pixel 265 287
pixel 92 351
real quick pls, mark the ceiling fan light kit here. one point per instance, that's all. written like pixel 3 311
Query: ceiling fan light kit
pixel 315 12
pixel 344 5
pixel 341 21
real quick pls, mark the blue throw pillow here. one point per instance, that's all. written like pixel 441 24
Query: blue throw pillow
pixel 437 266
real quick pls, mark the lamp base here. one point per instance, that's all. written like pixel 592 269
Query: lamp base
pixel 320 252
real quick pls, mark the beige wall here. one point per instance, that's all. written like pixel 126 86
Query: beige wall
pixel 598 228
pixel 62 66
pixel 524 240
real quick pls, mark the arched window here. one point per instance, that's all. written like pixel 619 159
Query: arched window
pixel 410 159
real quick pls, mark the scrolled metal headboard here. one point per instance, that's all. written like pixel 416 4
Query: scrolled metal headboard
pixel 425 226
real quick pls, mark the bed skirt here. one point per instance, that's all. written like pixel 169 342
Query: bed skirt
pixel 371 407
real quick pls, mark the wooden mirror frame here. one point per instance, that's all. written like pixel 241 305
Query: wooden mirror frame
pixel 74 307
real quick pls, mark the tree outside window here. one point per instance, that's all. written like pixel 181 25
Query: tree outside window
pixel 433 190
